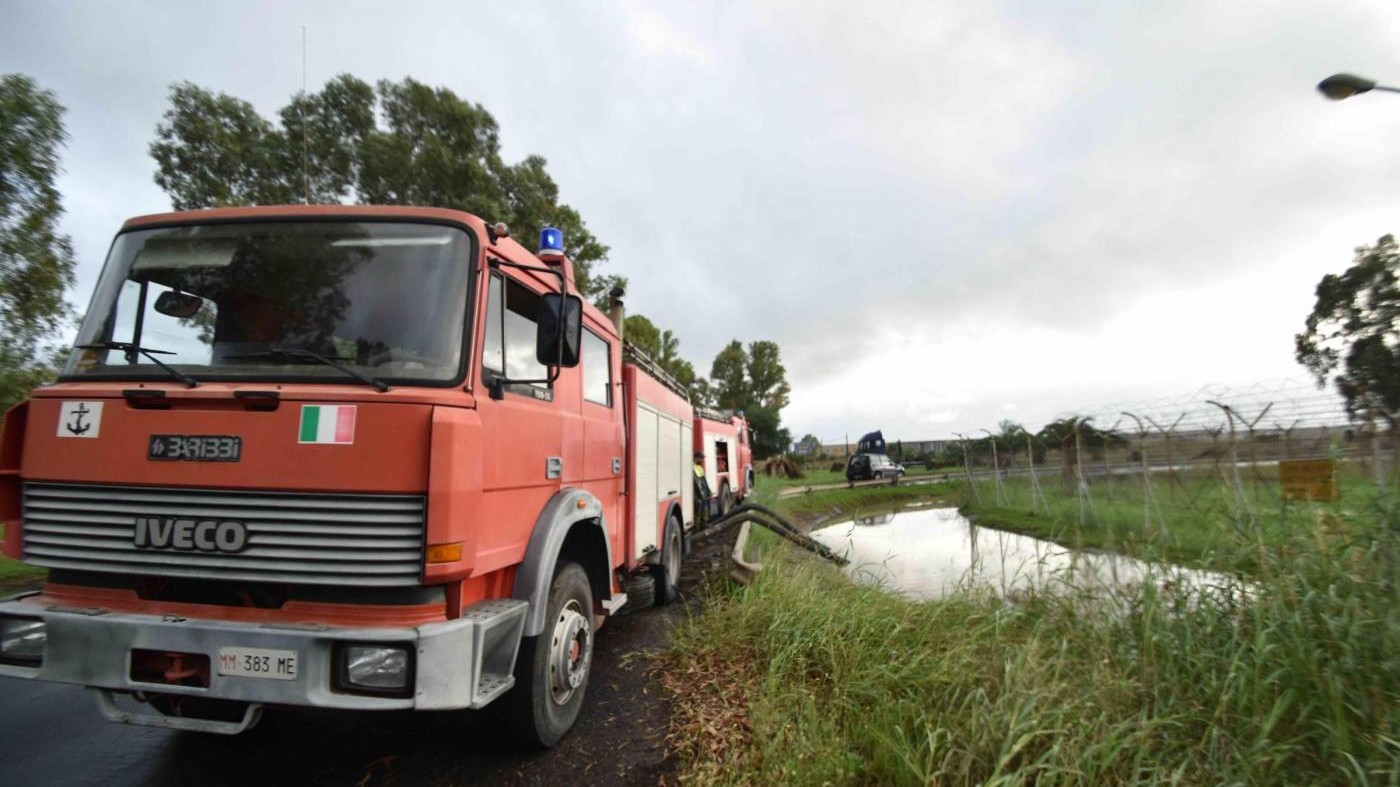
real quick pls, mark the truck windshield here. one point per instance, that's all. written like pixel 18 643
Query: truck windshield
pixel 245 301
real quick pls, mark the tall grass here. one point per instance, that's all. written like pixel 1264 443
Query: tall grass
pixel 821 681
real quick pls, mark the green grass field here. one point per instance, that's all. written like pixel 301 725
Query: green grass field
pixel 806 678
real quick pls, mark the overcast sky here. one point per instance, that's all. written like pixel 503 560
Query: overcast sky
pixel 946 213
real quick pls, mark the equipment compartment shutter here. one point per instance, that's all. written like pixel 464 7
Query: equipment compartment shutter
pixel 668 448
pixel 687 463
pixel 644 515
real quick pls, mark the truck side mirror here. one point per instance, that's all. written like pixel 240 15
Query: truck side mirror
pixel 560 331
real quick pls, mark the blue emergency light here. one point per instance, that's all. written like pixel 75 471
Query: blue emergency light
pixel 551 241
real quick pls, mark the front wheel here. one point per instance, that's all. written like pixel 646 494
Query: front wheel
pixel 551 671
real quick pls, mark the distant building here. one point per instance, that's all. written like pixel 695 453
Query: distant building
pixel 808 446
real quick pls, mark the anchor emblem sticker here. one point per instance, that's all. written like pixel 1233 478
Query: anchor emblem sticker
pixel 80 419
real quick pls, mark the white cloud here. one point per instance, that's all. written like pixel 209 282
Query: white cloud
pixel 660 39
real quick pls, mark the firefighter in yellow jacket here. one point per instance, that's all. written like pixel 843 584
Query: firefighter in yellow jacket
pixel 702 490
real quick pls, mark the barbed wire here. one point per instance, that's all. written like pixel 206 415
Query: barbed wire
pixel 1283 404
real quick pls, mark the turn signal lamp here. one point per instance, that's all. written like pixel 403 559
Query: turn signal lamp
pixel 551 241
pixel 445 553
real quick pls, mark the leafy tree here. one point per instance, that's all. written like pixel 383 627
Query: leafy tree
pixel 727 377
pixel 216 151
pixel 661 346
pixel 390 144
pixel 603 287
pixel 702 393
pixel 1010 431
pixel 1353 333
pixel 755 382
pixel 36 262
pixel 768 384
pixel 770 438
pixel 643 334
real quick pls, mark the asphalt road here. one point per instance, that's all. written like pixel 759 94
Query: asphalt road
pixel 53 735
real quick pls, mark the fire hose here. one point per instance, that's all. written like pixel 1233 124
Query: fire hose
pixel 753 513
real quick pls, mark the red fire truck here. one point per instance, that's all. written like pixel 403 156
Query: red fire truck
pixel 369 458
pixel 727 447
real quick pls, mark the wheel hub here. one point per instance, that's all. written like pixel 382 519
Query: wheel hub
pixel 571 646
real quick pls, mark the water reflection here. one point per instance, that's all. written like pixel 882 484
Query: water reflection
pixel 931 552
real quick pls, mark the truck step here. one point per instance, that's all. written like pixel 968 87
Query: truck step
pixel 493 685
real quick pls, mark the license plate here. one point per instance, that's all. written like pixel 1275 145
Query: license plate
pixel 194 448
pixel 258 663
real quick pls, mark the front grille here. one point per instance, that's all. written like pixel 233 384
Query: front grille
pixel 315 539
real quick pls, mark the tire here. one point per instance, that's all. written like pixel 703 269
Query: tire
pixel 880 475
pixel 552 669
pixel 726 499
pixel 641 592
pixel 668 572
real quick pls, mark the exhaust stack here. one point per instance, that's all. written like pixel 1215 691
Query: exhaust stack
pixel 616 311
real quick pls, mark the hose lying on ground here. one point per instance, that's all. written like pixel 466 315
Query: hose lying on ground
pixel 766 517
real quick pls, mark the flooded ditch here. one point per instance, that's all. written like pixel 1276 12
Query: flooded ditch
pixel 927 552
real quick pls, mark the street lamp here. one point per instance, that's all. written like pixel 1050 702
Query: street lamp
pixel 1340 86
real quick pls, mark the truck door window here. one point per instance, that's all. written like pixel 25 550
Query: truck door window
pixel 510 330
pixel 597 369
pixel 721 456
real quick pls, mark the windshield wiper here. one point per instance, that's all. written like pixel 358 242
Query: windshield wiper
pixel 131 350
pixel 301 352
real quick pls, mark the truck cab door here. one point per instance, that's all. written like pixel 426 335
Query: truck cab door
pixel 522 432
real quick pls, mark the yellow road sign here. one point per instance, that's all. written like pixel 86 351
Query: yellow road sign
pixel 1309 479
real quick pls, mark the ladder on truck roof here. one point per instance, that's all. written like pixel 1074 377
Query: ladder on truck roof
pixel 721 416
pixel 634 355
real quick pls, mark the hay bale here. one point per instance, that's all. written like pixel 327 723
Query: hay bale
pixel 780 466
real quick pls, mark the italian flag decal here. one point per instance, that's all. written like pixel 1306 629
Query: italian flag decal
pixel 327 423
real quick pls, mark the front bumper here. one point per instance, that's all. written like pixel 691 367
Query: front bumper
pixel 463 663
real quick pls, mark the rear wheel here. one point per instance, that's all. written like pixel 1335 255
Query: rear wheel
pixel 551 671
pixel 726 499
pixel 641 592
pixel 668 571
